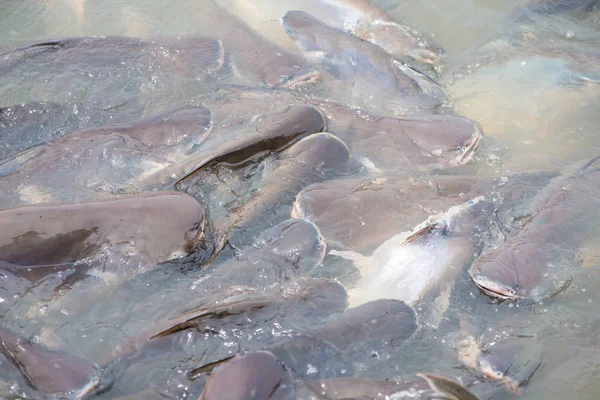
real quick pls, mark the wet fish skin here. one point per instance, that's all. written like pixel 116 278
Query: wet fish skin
pixel 256 375
pixel 325 351
pixel 366 76
pixel 53 373
pixel 20 125
pixel 359 18
pixel 392 144
pixel 535 263
pixel 105 161
pixel 82 234
pixel 114 85
pixel 267 132
pixel 258 61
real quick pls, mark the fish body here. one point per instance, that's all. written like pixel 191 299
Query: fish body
pixel 126 233
pixel 53 373
pixel 537 262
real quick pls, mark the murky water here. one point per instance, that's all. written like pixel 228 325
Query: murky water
pixel 532 85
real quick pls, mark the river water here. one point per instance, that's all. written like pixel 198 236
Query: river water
pixel 536 118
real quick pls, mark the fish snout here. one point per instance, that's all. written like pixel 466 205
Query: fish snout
pixel 493 287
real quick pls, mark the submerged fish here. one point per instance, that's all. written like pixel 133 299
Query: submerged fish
pixel 240 310
pixel 332 349
pixel 109 75
pixel 250 376
pixel 123 235
pixel 359 18
pixel 254 60
pixel 29 124
pixel 53 373
pixel 102 162
pixel 537 262
pixel 360 74
pixel 420 266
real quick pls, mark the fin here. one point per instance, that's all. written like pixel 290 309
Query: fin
pixel 207 368
pixel 448 387
pixel 194 319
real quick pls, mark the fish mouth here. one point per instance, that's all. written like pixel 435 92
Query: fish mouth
pixel 470 148
pixel 495 290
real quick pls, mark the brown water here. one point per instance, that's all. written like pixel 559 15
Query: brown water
pixel 536 117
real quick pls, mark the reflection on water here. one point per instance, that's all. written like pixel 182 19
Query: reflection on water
pixel 529 79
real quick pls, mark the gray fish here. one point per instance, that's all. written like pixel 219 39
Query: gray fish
pixel 364 75
pixel 537 262
pixel 361 214
pixel 399 144
pixel 256 60
pixel 330 350
pixel 282 253
pixel 242 310
pixel 124 235
pixel 266 133
pixel 118 71
pixel 56 374
pixel 256 375
pixel 421 265
pixel 102 162
pixel 359 18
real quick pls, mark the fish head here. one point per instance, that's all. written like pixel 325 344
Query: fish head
pixel 497 275
pixel 452 140
pixel 298 241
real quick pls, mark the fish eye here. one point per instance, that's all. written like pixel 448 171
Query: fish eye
pixel 459 148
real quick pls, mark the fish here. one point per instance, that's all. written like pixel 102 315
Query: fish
pixel 389 144
pixel 359 18
pixel 502 353
pixel 125 235
pixel 125 78
pixel 102 162
pixel 538 261
pixel 53 373
pixel 267 132
pixel 252 58
pixel 153 154
pixel 421 265
pixel 360 74
pixel 234 309
pixel 253 375
pixel 332 349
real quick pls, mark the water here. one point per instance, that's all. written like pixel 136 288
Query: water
pixel 538 114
